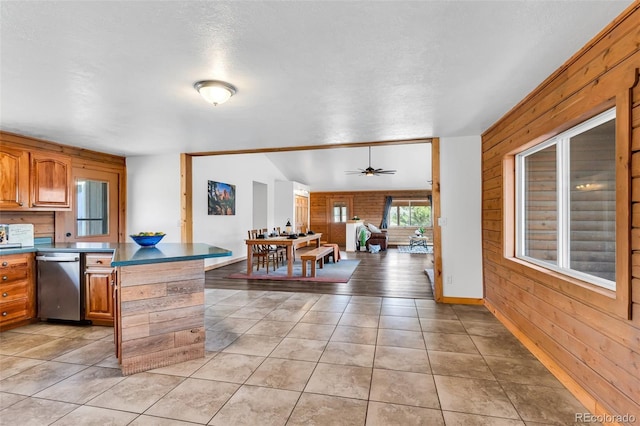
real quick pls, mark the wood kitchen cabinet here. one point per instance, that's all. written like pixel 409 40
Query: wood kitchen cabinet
pixel 17 290
pixel 99 283
pixel 50 181
pixel 34 180
pixel 14 178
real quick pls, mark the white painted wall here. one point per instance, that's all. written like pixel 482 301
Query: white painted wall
pixel 461 208
pixel 284 208
pixel 229 232
pixel 285 205
pixel 260 205
pixel 153 195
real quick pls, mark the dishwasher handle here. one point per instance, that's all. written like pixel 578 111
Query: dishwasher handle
pixel 57 259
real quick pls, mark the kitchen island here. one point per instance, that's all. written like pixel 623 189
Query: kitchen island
pixel 159 299
pixel 160 304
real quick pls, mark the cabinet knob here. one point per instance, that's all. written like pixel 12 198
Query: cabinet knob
pixel 5 294
pixel 4 314
pixel 21 204
pixel 68 234
pixel 99 262
pixel 4 278
pixel 5 263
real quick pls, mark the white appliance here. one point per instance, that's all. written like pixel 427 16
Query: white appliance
pixel 16 235
pixel 352 226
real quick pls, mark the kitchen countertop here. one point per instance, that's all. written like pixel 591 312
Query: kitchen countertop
pixel 126 254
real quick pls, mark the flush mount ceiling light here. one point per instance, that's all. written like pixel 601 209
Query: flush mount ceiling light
pixel 215 91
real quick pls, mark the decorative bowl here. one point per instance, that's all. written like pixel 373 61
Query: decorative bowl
pixel 148 240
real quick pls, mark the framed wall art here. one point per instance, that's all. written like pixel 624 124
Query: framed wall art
pixel 222 198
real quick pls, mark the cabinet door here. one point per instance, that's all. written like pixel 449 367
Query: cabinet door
pixel 50 181
pixel 14 178
pixel 99 295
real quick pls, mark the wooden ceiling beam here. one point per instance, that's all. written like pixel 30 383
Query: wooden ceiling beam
pixel 313 147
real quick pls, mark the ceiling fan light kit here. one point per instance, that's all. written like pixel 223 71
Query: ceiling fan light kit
pixel 370 171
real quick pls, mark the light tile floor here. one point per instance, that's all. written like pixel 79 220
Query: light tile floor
pixel 276 358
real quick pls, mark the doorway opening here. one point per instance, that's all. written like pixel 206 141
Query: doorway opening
pixel 260 205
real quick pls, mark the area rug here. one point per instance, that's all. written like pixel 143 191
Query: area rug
pixel 415 249
pixel 429 273
pixel 339 272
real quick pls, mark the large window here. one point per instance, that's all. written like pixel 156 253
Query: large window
pixel 565 209
pixel 410 213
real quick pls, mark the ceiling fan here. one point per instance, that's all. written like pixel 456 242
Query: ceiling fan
pixel 370 171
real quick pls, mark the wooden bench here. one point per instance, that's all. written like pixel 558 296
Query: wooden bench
pixel 315 255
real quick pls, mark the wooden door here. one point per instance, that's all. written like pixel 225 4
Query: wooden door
pixel 14 178
pixel 302 213
pixel 339 210
pixel 50 181
pixel 95 214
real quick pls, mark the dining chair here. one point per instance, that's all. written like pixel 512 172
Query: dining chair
pixel 262 252
pixel 282 250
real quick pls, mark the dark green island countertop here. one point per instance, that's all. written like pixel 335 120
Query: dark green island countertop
pixel 126 254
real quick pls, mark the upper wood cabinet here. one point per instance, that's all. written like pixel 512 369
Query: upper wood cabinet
pixel 50 181
pixel 34 180
pixel 41 182
pixel 14 178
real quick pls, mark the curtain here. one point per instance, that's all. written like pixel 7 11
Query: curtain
pixel 385 214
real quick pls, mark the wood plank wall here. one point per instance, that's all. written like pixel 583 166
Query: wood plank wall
pixel 586 336
pixel 43 222
pixel 368 205
pixel 635 207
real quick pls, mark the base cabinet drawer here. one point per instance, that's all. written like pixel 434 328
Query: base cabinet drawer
pixel 13 291
pixel 10 311
pixel 97 260
pixel 17 290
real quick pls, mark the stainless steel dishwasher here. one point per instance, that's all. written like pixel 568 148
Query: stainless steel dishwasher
pixel 59 295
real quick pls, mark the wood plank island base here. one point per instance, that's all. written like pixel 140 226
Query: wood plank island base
pixel 161 316
pixel 160 307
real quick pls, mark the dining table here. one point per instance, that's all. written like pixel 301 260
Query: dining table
pixel 282 240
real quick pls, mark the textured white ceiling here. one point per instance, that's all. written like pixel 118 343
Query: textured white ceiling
pixel 324 169
pixel 117 76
